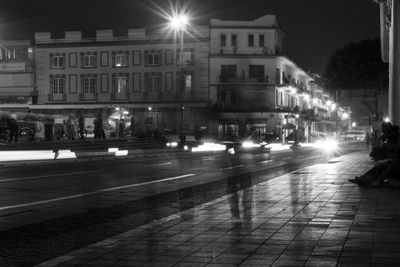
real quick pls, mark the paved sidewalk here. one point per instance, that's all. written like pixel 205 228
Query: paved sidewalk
pixel 311 217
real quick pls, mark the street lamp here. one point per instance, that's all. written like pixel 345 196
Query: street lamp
pixel 179 24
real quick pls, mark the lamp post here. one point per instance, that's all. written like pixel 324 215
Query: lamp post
pixel 179 24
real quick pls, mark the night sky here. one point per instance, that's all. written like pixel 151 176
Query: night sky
pixel 315 28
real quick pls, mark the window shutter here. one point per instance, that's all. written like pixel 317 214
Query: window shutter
pixel 82 59
pixel 95 82
pixel 82 83
pixel 113 62
pixel 51 61
pixel 95 59
pixel 127 58
pixel 64 60
pixel 51 84
pixel 113 82
pixel 159 81
pixel 146 58
pixel 160 57
pixel 62 84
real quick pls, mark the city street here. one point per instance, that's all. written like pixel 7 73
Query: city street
pixel 199 133
pixel 53 208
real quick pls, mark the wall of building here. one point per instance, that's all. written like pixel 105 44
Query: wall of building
pixel 16 74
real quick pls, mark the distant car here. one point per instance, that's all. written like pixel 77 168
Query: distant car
pixel 355 135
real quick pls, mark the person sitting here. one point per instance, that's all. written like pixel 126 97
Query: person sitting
pixel 387 157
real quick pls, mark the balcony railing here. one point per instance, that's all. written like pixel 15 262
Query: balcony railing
pixel 56 97
pixel 88 96
pixel 120 96
pixel 236 79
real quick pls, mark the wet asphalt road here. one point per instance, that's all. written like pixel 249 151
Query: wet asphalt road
pixel 48 210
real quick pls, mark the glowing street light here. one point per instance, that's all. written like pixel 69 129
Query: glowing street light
pixel 345 116
pixel 179 24
pixel 387 119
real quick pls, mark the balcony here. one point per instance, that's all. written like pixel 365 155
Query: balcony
pixel 158 96
pixel 88 96
pixel 56 97
pixel 243 80
pixel 123 96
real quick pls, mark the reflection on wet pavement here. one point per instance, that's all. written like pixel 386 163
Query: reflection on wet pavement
pixel 311 217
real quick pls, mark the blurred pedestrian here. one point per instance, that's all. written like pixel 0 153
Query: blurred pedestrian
pixel 121 128
pixel 98 128
pixel 70 129
pixel 12 126
pixel 132 126
pixel 81 124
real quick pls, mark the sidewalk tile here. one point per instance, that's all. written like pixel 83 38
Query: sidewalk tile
pixel 311 217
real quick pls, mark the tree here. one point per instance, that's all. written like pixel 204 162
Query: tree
pixel 356 66
pixel 357 75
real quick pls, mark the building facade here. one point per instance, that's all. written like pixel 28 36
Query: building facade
pixel 17 79
pixel 138 75
pixel 260 91
pixel 231 79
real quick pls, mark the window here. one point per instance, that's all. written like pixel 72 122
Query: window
pixel 187 57
pixel 152 57
pixel 73 83
pixel 278 76
pixel 261 40
pixel 223 40
pixel 228 71
pixel 152 81
pixel 104 83
pixel 251 40
pixel 57 61
pixel 120 59
pixel 136 60
pixel 234 40
pixel 88 84
pixel 188 82
pixel 168 57
pixel 256 71
pixel 88 60
pixel 57 84
pixel 121 84
pixel 73 61
pixel 16 53
pixel 168 81
pixel 104 58
pixel 136 82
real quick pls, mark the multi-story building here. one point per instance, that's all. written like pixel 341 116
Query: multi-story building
pixel 137 75
pixel 231 79
pixel 17 84
pixel 258 89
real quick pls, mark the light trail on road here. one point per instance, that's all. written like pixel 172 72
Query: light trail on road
pixel 207 158
pixel 230 168
pixel 92 193
pixel 265 161
pixel 46 176
pixel 158 164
